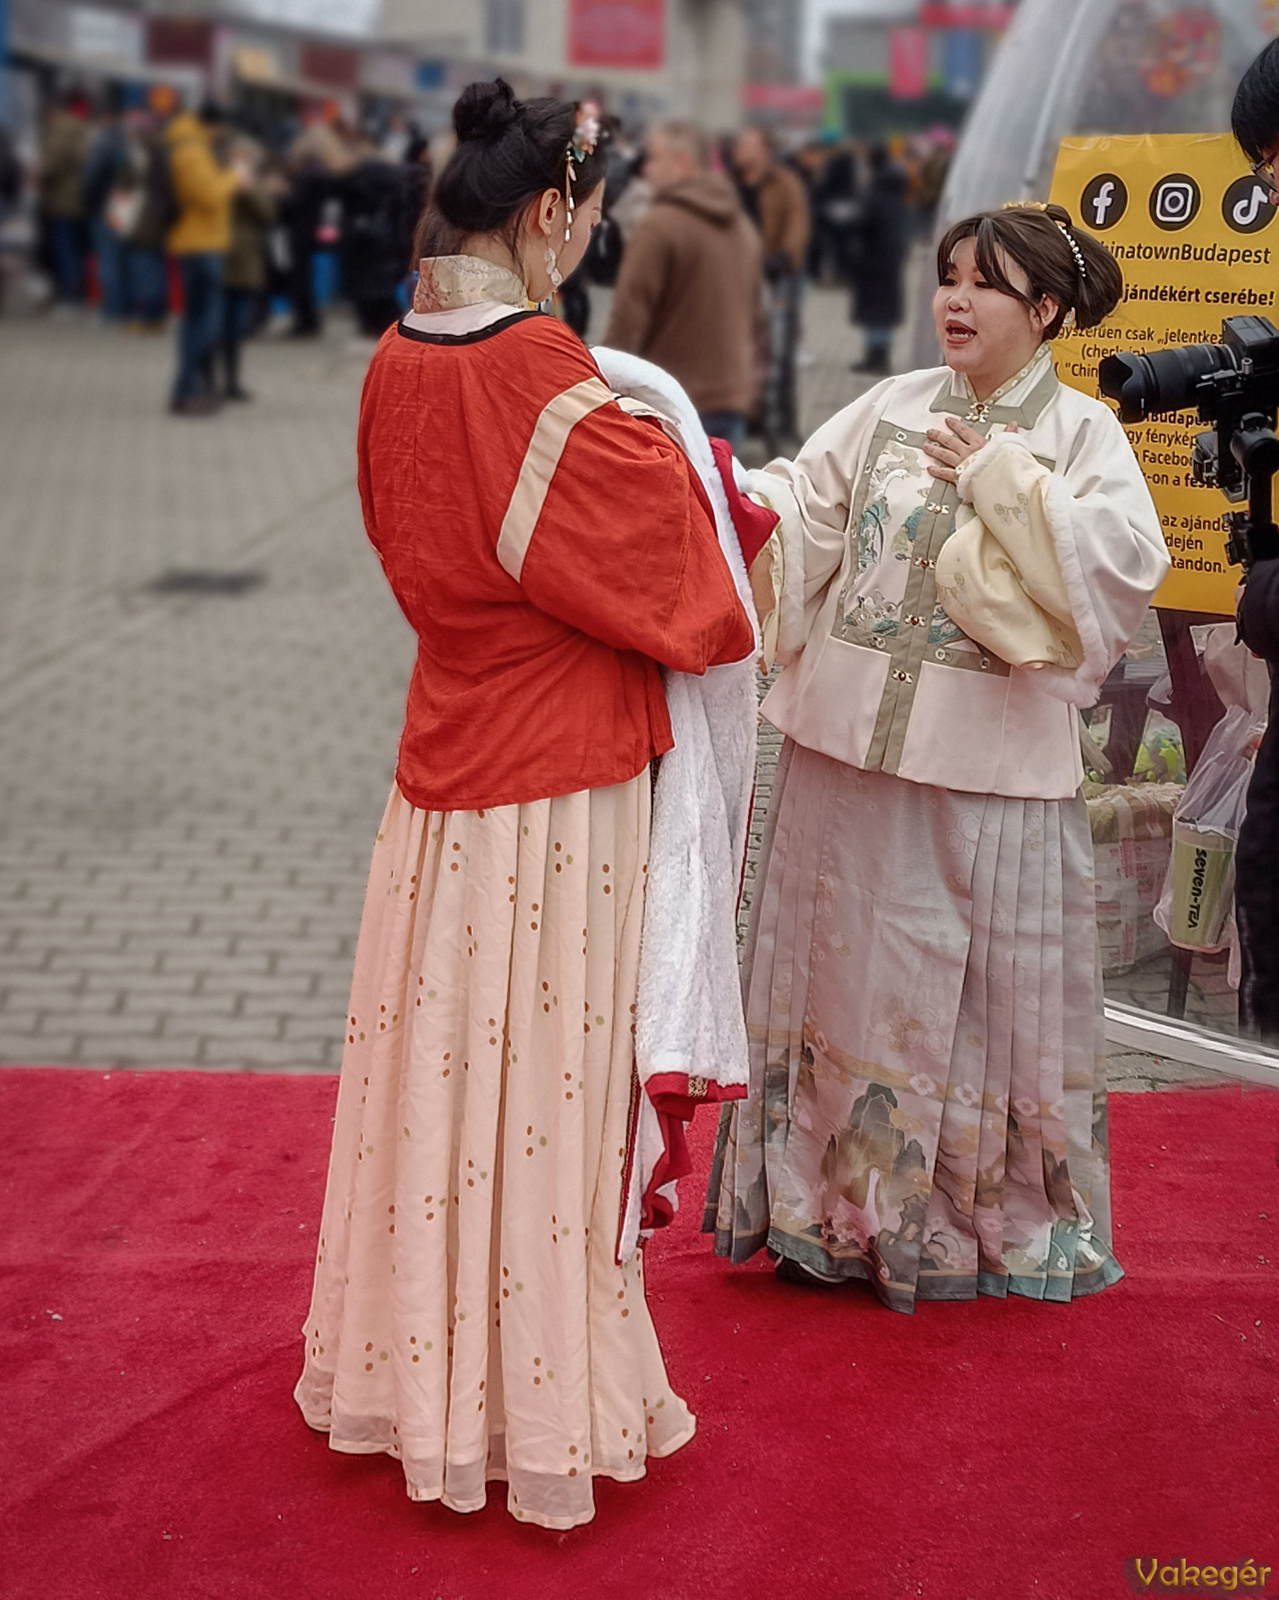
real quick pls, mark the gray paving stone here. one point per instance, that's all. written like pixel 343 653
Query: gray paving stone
pixel 200 956
pixel 282 1005
pixel 38 1050
pixel 202 1019
pixel 105 1024
pixel 19 981
pixel 265 985
pixel 319 1026
pixel 1131 1071
pixel 85 957
pixel 270 1056
pixel 142 985
pixel 130 1048
pixel 19 1022
pixel 79 1001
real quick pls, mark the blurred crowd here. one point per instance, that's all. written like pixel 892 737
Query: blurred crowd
pixel 147 212
pixel 149 208
pixel 710 247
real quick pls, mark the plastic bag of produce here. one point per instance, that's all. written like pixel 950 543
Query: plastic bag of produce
pixel 1198 895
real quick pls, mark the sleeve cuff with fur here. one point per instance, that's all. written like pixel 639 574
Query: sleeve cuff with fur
pixel 778 496
pixel 1049 497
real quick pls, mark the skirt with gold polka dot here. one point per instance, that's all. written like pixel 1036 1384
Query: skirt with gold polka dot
pixel 469 1316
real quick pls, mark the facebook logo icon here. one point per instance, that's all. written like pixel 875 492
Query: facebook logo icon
pixel 1103 202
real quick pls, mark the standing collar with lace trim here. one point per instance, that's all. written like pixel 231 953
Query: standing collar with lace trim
pixel 1022 399
pixel 447 283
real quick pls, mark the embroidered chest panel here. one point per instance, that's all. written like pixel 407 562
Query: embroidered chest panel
pixel 899 520
pixel 900 516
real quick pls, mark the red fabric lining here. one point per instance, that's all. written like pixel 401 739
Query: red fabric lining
pixel 669 1092
pixel 656 1210
pixel 675 1107
pixel 754 523
pixel 987 1451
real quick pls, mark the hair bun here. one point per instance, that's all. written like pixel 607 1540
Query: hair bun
pixel 1059 215
pixel 484 110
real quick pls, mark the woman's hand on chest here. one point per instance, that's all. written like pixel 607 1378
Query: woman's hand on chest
pixel 950 446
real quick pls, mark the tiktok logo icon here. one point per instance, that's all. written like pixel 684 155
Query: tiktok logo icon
pixel 1246 206
pixel 1103 202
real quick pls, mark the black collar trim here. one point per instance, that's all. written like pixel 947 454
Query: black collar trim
pixel 466 338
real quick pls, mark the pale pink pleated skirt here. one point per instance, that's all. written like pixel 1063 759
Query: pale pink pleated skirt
pixel 927 1107
pixel 468 1314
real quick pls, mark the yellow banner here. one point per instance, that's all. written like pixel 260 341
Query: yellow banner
pixel 1197 241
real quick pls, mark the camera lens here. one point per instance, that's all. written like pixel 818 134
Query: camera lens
pixel 1163 380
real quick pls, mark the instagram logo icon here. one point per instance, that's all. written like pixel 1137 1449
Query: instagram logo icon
pixel 1174 202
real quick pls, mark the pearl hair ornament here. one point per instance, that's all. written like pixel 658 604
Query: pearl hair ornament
pixel 1074 248
pixel 1042 205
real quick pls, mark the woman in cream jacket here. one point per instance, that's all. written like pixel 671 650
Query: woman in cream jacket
pixel 962 557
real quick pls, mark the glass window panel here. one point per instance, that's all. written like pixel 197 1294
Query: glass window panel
pixel 1129 66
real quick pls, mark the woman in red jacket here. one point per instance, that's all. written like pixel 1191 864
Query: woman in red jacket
pixel 551 553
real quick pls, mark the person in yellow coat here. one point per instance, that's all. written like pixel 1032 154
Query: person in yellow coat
pixel 203 188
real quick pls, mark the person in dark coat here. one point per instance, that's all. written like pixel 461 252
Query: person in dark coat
pixel 10 172
pixel 316 157
pixel 1254 120
pixel 836 209
pixel 64 148
pixel 244 274
pixel 1257 853
pixel 106 169
pixel 377 229
pixel 419 174
pixel 878 263
pixel 146 269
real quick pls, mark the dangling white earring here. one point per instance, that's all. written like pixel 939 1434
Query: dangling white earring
pixel 553 268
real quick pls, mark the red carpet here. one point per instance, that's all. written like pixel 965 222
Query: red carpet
pixel 156 1237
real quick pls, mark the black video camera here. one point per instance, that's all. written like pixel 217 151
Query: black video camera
pixel 1235 386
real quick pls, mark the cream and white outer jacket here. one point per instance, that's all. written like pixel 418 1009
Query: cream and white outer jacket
pixel 877 674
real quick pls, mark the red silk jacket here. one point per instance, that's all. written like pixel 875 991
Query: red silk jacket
pixel 551 553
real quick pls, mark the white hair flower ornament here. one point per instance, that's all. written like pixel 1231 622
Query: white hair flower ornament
pixel 586 136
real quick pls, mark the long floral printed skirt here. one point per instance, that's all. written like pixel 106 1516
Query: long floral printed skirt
pixel 468 1314
pixel 927 1104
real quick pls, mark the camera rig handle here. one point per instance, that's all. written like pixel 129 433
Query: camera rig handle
pixel 1253 534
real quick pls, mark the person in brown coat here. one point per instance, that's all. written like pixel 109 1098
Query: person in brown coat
pixel 689 292
pixel 775 198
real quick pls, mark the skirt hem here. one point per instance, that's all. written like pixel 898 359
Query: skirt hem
pixel 943 1287
pixel 423 1494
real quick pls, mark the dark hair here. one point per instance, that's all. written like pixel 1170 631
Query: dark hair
pixel 1254 117
pixel 508 152
pixel 1033 238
